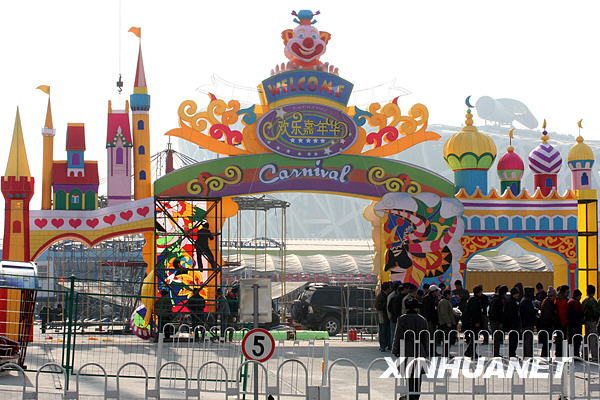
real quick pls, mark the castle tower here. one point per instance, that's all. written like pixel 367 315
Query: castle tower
pixel 118 155
pixel 510 169
pixel 140 107
pixel 580 161
pixel 470 154
pixel 75 181
pixel 545 162
pixel 48 133
pixel 17 189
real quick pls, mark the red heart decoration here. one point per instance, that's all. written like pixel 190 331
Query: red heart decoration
pixel 75 223
pixel 57 222
pixel 126 215
pixel 143 211
pixel 92 223
pixel 109 219
pixel 40 223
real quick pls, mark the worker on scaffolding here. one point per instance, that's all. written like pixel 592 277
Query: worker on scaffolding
pixel 201 244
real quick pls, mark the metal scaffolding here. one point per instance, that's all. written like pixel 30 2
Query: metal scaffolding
pixel 233 246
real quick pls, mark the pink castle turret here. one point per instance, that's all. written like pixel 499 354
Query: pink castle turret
pixel 118 155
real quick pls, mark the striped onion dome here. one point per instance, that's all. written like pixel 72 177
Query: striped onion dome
pixel 545 159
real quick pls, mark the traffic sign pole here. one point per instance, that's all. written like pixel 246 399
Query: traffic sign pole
pixel 255 290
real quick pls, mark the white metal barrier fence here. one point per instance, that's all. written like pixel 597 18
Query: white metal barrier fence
pixel 343 378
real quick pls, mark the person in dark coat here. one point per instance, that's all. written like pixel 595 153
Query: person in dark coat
pixel 409 327
pixel 202 247
pixel 512 321
pixel 485 328
pixel 382 316
pixel 233 298
pixel 45 317
pixel 540 294
pixel 196 304
pixel 462 295
pixel 392 308
pixel 562 309
pixel 429 312
pixel 575 318
pixel 472 319
pixel 496 315
pixel 591 312
pixel 528 321
pixel 163 310
pixel 548 321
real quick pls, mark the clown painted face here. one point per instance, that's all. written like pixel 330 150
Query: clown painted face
pixel 305 44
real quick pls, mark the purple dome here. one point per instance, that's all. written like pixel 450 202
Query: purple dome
pixel 545 159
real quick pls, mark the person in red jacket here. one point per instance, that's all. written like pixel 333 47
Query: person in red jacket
pixel 575 317
pixel 562 309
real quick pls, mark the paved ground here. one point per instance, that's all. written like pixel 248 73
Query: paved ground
pixel 113 351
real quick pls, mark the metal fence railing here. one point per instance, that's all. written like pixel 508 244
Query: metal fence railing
pixel 342 379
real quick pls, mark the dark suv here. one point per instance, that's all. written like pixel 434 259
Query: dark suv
pixel 323 307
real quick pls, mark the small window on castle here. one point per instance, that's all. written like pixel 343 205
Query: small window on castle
pixel 140 125
pixel 142 175
pixel 141 150
pixel 75 199
pixel 119 156
pixel 549 182
pixel 75 159
pixel 17 227
pixel 585 180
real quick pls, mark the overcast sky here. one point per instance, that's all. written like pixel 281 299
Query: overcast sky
pixel 544 53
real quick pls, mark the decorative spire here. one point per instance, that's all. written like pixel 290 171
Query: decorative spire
pixel 17 165
pixel 469 116
pixel 48 124
pixel 139 85
pixel 510 148
pixel 545 136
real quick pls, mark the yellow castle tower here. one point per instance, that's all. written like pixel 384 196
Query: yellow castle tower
pixel 580 161
pixel 140 107
pixel 17 188
pixel 48 133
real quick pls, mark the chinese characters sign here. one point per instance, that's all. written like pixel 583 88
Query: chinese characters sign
pixel 307 131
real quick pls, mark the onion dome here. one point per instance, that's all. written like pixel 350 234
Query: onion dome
pixel 581 152
pixel 510 165
pixel 469 148
pixel 545 159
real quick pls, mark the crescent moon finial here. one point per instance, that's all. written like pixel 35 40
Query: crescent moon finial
pixel 544 124
pixel 579 124
pixel 468 101
pixel 510 132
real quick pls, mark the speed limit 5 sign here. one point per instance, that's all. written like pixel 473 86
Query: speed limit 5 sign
pixel 258 345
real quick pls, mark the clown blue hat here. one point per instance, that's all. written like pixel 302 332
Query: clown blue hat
pixel 305 17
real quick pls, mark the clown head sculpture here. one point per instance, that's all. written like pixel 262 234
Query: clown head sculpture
pixel 304 45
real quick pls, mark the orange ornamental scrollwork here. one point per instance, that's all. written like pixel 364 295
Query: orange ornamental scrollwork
pixel 564 245
pixel 223 127
pixel 384 131
pixel 473 244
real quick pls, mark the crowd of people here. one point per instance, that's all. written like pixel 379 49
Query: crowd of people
pixel 555 314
